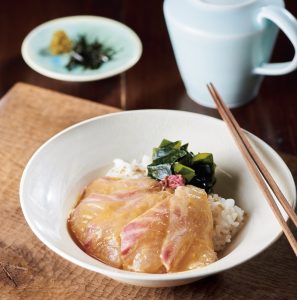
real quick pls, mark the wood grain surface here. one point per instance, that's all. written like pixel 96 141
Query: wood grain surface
pixel 29 270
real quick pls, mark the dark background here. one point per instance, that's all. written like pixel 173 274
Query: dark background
pixel 154 82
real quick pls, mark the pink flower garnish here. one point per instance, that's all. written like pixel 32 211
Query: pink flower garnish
pixel 173 181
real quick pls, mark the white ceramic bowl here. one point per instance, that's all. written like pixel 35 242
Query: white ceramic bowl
pixel 60 169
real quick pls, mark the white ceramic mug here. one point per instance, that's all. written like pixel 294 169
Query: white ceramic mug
pixel 228 43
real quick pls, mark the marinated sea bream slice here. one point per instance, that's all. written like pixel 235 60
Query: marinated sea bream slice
pixel 188 243
pixel 98 220
pixel 84 221
pixel 108 185
pixel 142 238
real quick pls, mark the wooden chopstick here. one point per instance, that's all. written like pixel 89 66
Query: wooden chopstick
pixel 265 173
pixel 257 168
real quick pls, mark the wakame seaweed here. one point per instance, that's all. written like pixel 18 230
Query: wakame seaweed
pixel 88 55
pixel 172 158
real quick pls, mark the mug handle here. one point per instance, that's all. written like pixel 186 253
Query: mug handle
pixel 288 24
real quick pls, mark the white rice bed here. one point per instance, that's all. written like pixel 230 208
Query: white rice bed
pixel 227 216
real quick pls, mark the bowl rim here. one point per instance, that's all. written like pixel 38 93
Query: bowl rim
pixel 130 275
pixel 81 77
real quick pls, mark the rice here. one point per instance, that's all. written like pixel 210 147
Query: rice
pixel 135 169
pixel 227 217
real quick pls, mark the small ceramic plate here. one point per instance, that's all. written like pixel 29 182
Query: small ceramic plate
pixel 108 32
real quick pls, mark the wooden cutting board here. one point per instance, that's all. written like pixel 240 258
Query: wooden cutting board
pixel 29 270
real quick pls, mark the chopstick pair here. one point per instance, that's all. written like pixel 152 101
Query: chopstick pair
pixel 257 168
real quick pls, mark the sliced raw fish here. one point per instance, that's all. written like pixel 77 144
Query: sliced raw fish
pixel 142 238
pixel 89 213
pixel 188 243
pixel 108 185
pixel 133 224
pixel 98 220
